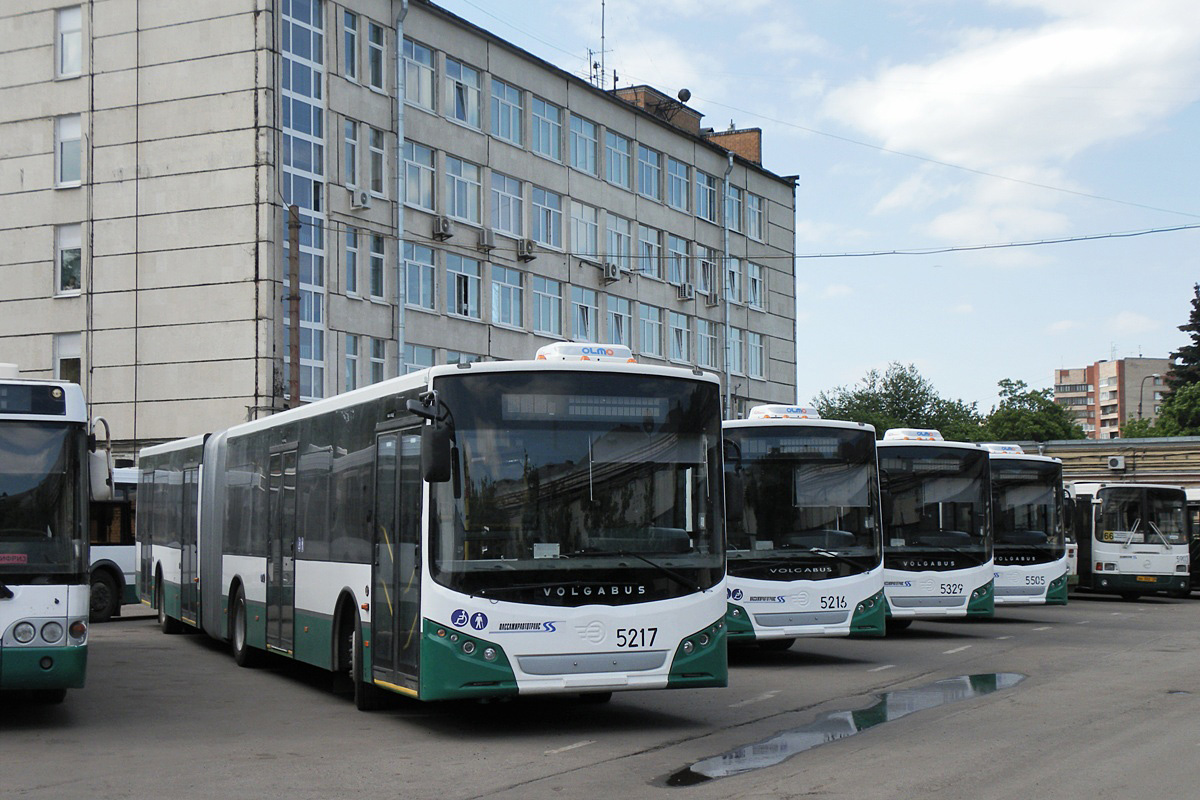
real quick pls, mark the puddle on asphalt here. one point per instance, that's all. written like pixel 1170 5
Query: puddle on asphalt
pixel 842 724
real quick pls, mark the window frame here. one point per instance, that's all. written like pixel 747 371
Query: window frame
pixel 756 286
pixel 707 196
pixel 756 366
pixel 650 319
pixel 619 314
pixel 507 293
pixel 505 197
pixel 649 253
pixel 376 62
pixel 472 283
pixel 376 271
pixel 680 258
pixel 618 243
pixel 734 201
pixel 678 185
pixel 613 156
pixel 584 228
pixel 74 125
pixel 377 150
pixel 425 273
pixel 471 187
pixel 425 75
pixel 350 45
pixel 578 139
pixel 649 173
pixel 504 108
pixel 457 74
pixel 350 128
pixel 68 41
pixel 544 130
pixel 352 250
pixel 418 175
pixel 544 218
pixel 682 354
pixel 68 238
pixel 756 216
pixel 546 304
pixel 590 313
pixel 350 369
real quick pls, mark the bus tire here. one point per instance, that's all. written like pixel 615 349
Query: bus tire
pixel 896 625
pixel 104 597
pixel 166 624
pixel 776 645
pixel 367 697
pixel 243 654
pixel 1130 595
pixel 49 697
pixel 595 698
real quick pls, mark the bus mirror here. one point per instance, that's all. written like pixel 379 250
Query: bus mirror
pixel 735 489
pixel 435 453
pixel 99 462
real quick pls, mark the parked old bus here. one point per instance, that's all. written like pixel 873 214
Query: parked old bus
pixel 477 530
pixel 805 557
pixel 113 564
pixel 1027 527
pixel 937 534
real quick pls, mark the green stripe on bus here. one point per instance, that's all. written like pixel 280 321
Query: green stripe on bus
pixel 738 624
pixel 448 673
pixel 870 617
pixel 983 604
pixel 706 665
pixel 1056 592
pixel 23 668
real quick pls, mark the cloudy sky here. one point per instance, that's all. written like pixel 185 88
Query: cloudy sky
pixel 921 125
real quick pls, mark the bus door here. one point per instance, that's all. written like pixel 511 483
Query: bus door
pixel 396 589
pixel 281 550
pixel 189 587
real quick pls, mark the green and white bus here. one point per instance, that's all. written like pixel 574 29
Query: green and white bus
pixel 113 562
pixel 805 556
pixel 44 492
pixel 937 535
pixel 467 531
pixel 1132 538
pixel 1027 527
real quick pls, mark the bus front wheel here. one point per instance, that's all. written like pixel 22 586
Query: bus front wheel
pixel 895 625
pixel 776 645
pixel 104 597
pixel 367 697
pixel 50 697
pixel 166 624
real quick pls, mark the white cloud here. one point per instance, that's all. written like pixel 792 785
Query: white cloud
pixel 963 308
pixel 835 290
pixel 1130 322
pixel 1062 326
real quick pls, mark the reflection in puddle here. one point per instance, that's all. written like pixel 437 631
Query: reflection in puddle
pixel 841 724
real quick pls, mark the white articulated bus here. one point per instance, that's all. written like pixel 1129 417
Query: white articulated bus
pixel 113 565
pixel 477 530
pixel 805 557
pixel 45 473
pixel 937 536
pixel 1027 527
pixel 1132 538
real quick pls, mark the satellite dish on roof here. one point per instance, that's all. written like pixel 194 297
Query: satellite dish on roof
pixel 684 95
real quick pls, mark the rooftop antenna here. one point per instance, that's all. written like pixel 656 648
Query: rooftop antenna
pixel 602 49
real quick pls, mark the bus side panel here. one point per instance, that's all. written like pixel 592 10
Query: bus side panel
pixel 167 563
pixel 319 584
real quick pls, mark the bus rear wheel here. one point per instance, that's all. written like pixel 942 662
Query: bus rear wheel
pixel 50 697
pixel 166 624
pixel 367 697
pixel 896 625
pixel 243 654
pixel 104 597
pixel 1130 595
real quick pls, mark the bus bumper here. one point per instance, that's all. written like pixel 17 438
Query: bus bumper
pixel 870 616
pixel 1056 592
pixel 983 601
pixel 43 667
pixel 738 624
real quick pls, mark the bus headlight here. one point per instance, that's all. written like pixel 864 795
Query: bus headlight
pixel 489 653
pixel 703 639
pixel 52 632
pixel 468 647
pixel 24 632
pixel 688 647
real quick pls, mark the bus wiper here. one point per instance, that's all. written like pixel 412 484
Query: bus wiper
pixel 837 556
pixel 1132 531
pixel 5 592
pixel 670 573
pixel 1159 533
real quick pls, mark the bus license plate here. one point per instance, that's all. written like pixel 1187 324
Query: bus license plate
pixel 1146 578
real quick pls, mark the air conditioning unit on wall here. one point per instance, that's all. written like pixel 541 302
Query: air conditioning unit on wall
pixel 687 291
pixel 443 228
pixel 612 272
pixel 1116 463
pixel 526 249
pixel 360 198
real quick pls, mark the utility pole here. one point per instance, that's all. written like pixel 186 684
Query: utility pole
pixel 294 305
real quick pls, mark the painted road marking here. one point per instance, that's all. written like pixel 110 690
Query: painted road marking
pixel 881 669
pixel 759 699
pixel 955 650
pixel 1003 637
pixel 1043 628
pixel 584 743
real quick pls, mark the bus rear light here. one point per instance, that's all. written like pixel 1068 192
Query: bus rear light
pixel 52 632
pixel 24 632
pixel 78 629
pixel 1099 567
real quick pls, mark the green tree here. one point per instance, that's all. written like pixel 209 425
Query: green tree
pixel 1186 369
pixel 1180 414
pixel 1025 414
pixel 901 397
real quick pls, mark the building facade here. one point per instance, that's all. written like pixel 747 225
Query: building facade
pixel 149 153
pixel 1105 395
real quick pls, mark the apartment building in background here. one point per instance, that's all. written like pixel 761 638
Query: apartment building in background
pixel 459 199
pixel 1106 394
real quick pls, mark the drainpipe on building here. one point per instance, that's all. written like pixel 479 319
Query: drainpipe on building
pixel 725 269
pixel 398 205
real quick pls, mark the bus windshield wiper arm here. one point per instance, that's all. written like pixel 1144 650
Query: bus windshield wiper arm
pixel 835 555
pixel 5 592
pixel 1159 533
pixel 670 573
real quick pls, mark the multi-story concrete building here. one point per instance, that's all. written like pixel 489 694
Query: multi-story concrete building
pixel 149 152
pixel 1104 395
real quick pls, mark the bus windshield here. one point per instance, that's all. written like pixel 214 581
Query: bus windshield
pixel 935 500
pixel 40 501
pixel 1026 513
pixel 570 487
pixel 1142 515
pixel 811 497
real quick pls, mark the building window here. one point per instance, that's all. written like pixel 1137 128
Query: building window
pixel 616 156
pixel 755 286
pixel 547 306
pixel 651 333
pixel 375 55
pixel 756 217
pixel 67 151
pixel 455 357
pixel 377 266
pixel 756 355
pixel 507 205
pixel 70 39
pixel 419 276
pixel 583 145
pixel 677 184
pixel 463 84
pixel 733 280
pixel 733 208
pixel 506 296
pixel 377 162
pixel 706 280
pixel 620 320
pixel 418 175
pixel 547 217
pixel 585 230
pixel 464 279
pixel 506 112
pixel 735 351
pixel 351 376
pixel 583 314
pixel 351 260
pixel 418 74
pixel 417 357
pixel 462 190
pixel 677 259
pixel 68 355
pixel 350 46
pixel 649 172
pixel 547 129
pixel 619 241
pixel 679 336
pixel 706 343
pixel 706 196
pixel 649 252
pixel 350 154
pixel 68 249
